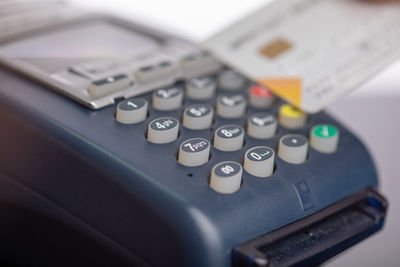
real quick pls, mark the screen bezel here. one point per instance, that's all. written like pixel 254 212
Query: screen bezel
pixel 65 87
pixel 90 20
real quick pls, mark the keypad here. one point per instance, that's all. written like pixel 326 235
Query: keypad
pixel 224 119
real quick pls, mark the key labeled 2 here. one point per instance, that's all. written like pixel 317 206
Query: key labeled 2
pixel 168 98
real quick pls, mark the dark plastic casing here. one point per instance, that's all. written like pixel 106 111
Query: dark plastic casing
pixel 77 187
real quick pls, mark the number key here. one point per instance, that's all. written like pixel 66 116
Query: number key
pixel 259 161
pixel 194 152
pixel 226 177
pixel 262 126
pixel 168 98
pixel 197 117
pixel 229 138
pixel 231 107
pixel 131 111
pixel 163 130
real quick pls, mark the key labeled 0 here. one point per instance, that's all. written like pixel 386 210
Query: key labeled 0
pixel 259 161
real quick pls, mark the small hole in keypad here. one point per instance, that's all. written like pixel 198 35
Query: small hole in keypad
pixel 190 174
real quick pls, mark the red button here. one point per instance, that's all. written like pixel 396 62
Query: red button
pixel 260 91
pixel 260 97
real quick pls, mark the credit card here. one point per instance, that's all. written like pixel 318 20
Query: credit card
pixel 310 52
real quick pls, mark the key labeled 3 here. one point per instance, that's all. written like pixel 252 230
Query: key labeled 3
pixel 262 126
pixel 231 106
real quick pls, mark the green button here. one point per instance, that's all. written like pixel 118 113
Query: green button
pixel 325 130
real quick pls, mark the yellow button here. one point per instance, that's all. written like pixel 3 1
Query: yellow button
pixel 292 118
pixel 290 111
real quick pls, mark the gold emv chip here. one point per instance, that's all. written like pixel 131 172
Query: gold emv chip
pixel 275 48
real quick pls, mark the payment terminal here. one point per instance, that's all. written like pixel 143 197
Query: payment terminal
pixel 121 145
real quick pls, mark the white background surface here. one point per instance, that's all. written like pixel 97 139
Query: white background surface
pixel 372 111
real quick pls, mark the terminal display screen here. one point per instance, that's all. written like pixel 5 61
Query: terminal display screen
pixel 56 50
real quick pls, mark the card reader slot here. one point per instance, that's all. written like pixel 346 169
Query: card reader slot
pixel 314 239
